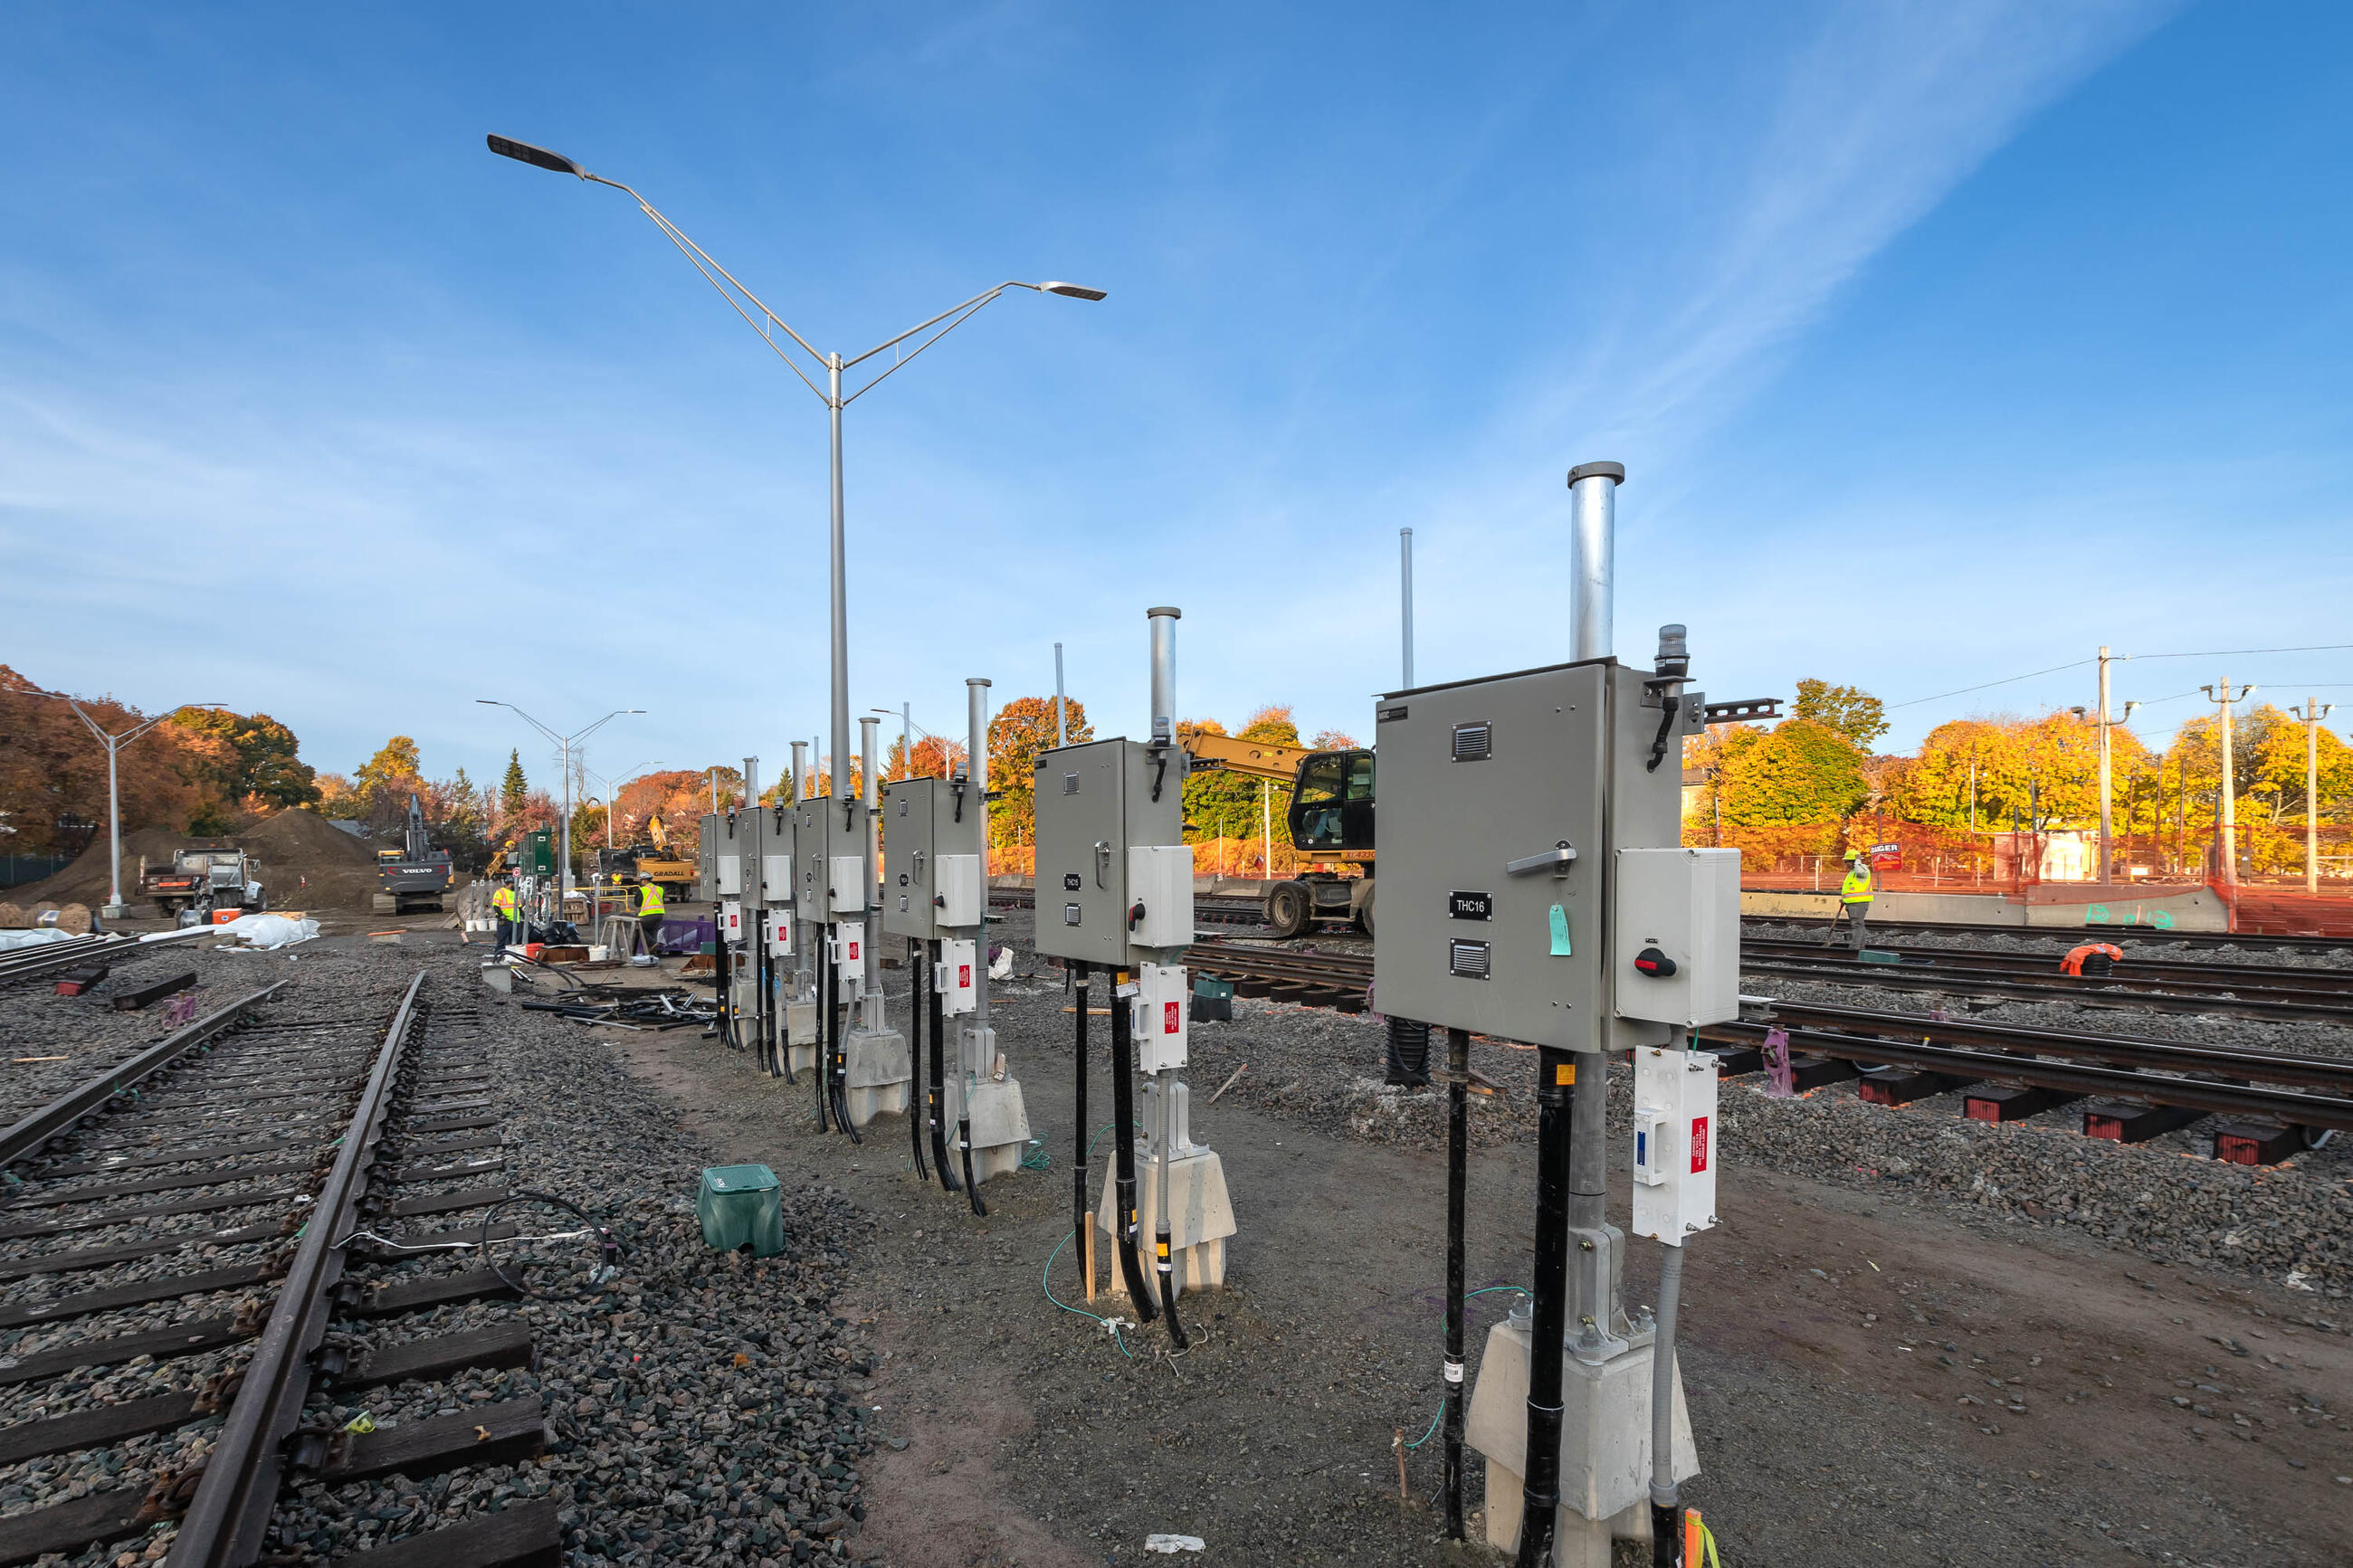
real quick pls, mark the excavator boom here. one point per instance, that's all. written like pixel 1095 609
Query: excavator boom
pixel 1251 759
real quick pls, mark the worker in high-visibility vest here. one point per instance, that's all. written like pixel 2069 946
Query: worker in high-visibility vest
pixel 503 905
pixel 649 912
pixel 1854 900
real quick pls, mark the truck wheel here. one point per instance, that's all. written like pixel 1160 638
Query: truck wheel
pixel 1289 908
pixel 1365 913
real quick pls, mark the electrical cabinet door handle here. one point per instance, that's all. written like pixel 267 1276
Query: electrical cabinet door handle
pixel 1555 860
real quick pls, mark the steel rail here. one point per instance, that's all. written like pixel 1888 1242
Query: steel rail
pixel 29 1136
pixel 31 963
pixel 2088 991
pixel 2268 1067
pixel 228 1518
pixel 2085 933
pixel 2280 977
pixel 2325 1111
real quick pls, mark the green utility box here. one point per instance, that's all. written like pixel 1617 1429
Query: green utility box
pixel 538 856
pixel 740 1205
pixel 1213 999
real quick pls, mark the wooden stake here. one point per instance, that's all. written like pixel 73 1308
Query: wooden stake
pixel 1087 1252
pixel 1229 1082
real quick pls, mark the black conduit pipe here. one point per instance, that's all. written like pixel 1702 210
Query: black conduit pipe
pixel 824 1027
pixel 719 968
pixel 842 1068
pixel 1540 1493
pixel 935 1093
pixel 1079 1218
pixel 1168 1277
pixel 783 1030
pixel 915 1022
pixel 1458 1144
pixel 760 994
pixel 1122 1111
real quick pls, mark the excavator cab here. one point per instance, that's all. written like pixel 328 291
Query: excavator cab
pixel 1332 806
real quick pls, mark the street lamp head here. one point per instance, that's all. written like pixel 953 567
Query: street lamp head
pixel 1067 290
pixel 537 157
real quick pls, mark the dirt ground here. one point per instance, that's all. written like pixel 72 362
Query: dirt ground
pixel 1892 1387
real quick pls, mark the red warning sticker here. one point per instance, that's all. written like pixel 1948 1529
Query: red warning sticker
pixel 964 977
pixel 1170 1023
pixel 1699 1144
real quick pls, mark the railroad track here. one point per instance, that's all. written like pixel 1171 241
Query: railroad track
pixel 49 957
pixel 2133 1089
pixel 2069 936
pixel 2266 992
pixel 227 1180
pixel 1342 981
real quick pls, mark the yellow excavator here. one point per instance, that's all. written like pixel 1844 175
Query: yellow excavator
pixel 1329 817
pixel 650 862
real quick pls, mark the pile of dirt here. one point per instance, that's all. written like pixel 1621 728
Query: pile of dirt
pixel 85 882
pixel 307 863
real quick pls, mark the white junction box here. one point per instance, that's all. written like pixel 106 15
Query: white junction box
pixel 1159 1014
pixel 1674 1143
pixel 849 944
pixel 1159 896
pixel 730 876
pixel 846 880
pixel 780 934
pixel 1676 942
pixel 955 883
pixel 776 878
pixel 731 919
pixel 955 977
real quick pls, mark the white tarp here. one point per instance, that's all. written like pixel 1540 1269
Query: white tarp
pixel 32 938
pixel 269 932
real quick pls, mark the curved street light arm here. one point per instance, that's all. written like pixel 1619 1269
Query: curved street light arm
pixel 962 314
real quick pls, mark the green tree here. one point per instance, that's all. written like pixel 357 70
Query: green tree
pixel 1798 772
pixel 1848 711
pixel 514 790
pixel 1020 729
pixel 261 767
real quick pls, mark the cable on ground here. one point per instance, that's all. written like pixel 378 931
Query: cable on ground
pixel 1046 1273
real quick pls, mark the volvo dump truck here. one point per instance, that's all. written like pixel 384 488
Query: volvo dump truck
pixel 412 877
pixel 1329 817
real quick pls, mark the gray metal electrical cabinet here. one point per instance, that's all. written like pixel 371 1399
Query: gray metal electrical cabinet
pixel 778 874
pixel 812 823
pixel 1094 802
pixel 745 839
pixel 706 878
pixel 927 823
pixel 1502 803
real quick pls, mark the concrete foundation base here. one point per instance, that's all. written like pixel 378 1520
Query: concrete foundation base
pixel 878 1075
pixel 1200 1217
pixel 800 1026
pixel 1604 1446
pixel 1000 1125
pixel 802 1057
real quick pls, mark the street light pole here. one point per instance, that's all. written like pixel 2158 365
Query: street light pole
pixel 2227 815
pixel 1404 600
pixel 563 744
pixel 2309 716
pixel 114 744
pixel 738 296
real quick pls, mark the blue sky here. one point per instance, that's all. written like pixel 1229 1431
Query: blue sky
pixel 1942 341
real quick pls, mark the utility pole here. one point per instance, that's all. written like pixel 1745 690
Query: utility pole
pixel 2309 716
pixel 2107 721
pixel 1061 723
pixel 2226 823
pixel 1405 599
